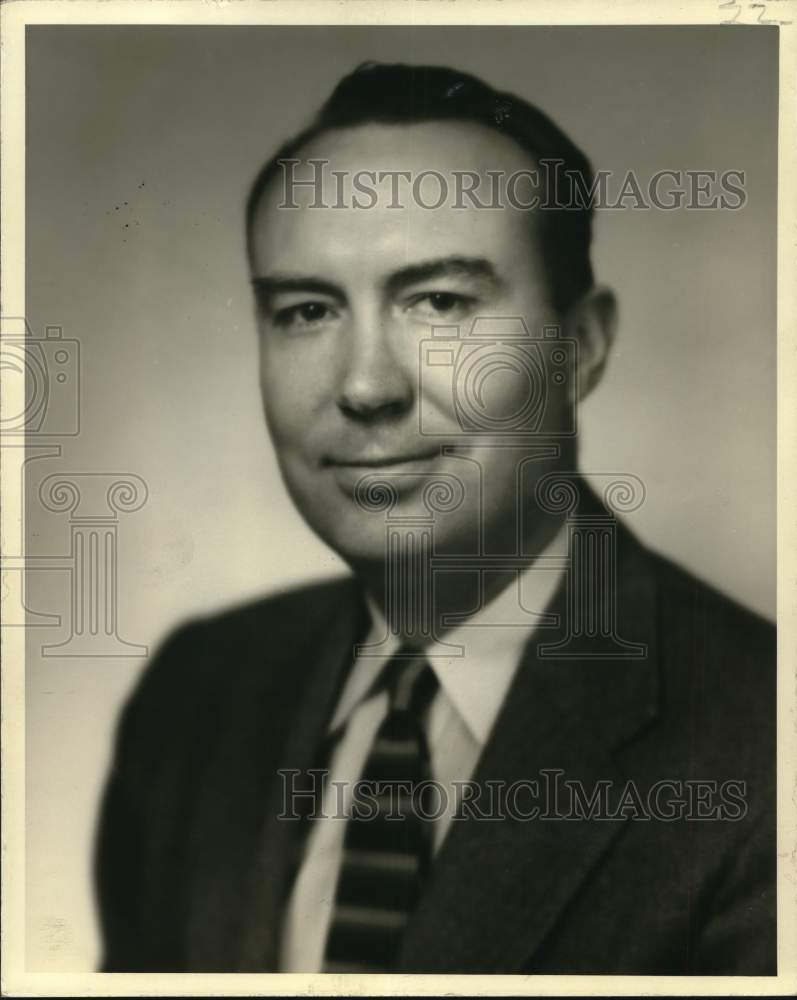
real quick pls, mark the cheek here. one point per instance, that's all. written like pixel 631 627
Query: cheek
pixel 292 391
pixel 275 396
pixel 436 385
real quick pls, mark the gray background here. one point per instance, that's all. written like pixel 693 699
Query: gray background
pixel 151 279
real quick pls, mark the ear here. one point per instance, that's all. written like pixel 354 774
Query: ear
pixel 592 321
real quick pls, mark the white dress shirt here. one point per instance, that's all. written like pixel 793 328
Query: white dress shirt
pixel 472 689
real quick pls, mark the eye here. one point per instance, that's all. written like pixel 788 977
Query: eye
pixel 303 314
pixel 441 305
pixel 444 301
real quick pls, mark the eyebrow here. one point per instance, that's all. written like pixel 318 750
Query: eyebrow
pixel 443 267
pixel 267 286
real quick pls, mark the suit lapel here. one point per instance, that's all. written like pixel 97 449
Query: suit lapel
pixel 498 887
pixel 274 719
pixel 310 715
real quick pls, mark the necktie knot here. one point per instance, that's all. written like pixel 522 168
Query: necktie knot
pixel 410 682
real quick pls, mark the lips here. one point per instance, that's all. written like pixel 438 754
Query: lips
pixel 404 469
pixel 380 461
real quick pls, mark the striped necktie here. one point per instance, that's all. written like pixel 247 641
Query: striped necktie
pixel 387 844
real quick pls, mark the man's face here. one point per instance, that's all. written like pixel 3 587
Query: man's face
pixel 347 298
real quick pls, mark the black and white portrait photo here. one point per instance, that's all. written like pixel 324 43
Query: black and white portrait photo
pixel 395 440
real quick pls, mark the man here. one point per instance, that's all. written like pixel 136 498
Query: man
pixel 515 740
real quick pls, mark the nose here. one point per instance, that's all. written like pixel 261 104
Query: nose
pixel 376 385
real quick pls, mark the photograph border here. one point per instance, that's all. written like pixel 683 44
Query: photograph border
pixel 15 17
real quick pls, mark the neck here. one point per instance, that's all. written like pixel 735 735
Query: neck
pixel 401 589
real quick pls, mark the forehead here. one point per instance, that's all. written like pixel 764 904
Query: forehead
pixel 398 228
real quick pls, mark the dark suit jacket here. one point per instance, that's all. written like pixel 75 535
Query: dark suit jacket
pixel 194 867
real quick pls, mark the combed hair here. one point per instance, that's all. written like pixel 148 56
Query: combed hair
pixel 403 95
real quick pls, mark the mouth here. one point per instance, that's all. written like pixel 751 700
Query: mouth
pixel 348 470
pixel 377 462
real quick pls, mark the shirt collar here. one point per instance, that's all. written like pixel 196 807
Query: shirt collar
pixel 477 660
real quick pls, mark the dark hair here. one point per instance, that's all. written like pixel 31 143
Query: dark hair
pixel 403 95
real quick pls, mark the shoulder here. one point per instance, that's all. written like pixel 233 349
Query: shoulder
pixel 282 615
pixel 276 614
pixel 695 613
pixel 691 614
pixel 718 674
pixel 206 656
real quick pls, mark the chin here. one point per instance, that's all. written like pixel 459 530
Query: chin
pixel 358 539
